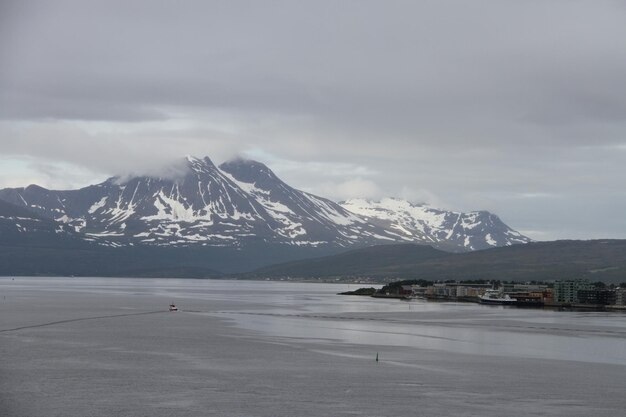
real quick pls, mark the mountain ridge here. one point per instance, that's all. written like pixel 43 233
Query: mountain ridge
pixel 234 204
pixel 449 230
pixel 233 217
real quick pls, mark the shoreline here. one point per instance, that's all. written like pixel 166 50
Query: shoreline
pixel 538 306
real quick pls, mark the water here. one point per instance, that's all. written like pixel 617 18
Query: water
pixel 108 347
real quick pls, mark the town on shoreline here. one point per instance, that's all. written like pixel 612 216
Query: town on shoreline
pixel 563 294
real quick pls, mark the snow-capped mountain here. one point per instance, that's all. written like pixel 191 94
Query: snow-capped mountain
pixel 439 228
pixel 243 203
pixel 240 202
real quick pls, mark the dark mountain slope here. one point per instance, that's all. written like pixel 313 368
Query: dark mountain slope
pixel 21 227
pixel 597 260
pixel 359 262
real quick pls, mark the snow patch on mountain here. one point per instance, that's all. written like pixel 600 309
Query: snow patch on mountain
pixel 97 205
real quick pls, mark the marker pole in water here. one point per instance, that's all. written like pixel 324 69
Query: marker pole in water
pixel 376 356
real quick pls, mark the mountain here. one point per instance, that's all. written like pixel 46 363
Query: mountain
pixel 243 203
pixel 232 218
pixel 20 226
pixel 301 218
pixel 448 230
pixel 597 260
pixel 237 204
pixel 360 262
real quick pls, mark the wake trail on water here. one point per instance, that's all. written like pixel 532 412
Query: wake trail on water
pixel 53 323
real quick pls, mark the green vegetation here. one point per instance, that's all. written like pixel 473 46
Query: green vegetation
pixel 596 260
pixel 394 287
pixel 355 263
pixel 360 291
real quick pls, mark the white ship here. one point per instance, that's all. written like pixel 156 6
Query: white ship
pixel 496 297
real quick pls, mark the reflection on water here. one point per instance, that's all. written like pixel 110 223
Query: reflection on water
pixel 460 329
pixel 313 312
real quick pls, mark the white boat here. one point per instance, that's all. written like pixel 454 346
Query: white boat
pixel 496 297
pixel 173 307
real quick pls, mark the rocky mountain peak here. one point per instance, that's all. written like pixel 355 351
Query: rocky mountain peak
pixel 200 164
pixel 251 172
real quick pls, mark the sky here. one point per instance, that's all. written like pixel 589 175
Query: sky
pixel 516 107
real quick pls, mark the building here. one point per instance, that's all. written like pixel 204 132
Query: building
pixel 599 296
pixel 620 296
pixel 405 290
pixel 455 290
pixel 566 292
pixel 548 296
pixel 511 288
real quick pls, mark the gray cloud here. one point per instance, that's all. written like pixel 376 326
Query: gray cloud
pixel 488 104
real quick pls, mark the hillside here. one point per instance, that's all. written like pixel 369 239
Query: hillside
pixel 597 260
pixel 359 262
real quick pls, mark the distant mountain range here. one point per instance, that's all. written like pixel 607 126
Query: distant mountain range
pixel 239 215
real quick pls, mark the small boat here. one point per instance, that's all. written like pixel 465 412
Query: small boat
pixel 173 307
pixel 496 297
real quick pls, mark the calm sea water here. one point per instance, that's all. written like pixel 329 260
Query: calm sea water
pixel 108 347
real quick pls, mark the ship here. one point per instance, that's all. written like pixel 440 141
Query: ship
pixel 497 297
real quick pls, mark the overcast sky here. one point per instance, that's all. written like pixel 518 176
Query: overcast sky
pixel 517 107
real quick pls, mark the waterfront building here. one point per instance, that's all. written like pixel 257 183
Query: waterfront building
pixel 620 296
pixel 444 290
pixel 462 291
pixel 548 296
pixel 599 296
pixel 406 290
pixel 528 299
pixel 511 288
pixel 566 292
pixel 455 290
pixel 471 290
